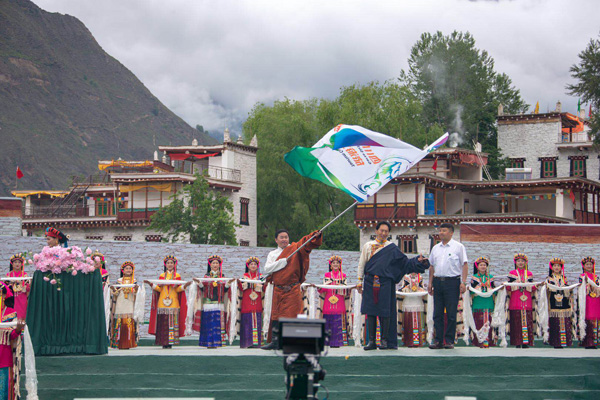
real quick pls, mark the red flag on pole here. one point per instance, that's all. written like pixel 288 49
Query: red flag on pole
pixel 434 167
pixel 19 173
pixel 572 196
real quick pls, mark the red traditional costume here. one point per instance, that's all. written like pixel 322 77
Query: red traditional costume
pixel 168 309
pixel 9 348
pixel 522 316
pixel 335 304
pixel 211 317
pixel 251 296
pixel 287 297
pixel 20 289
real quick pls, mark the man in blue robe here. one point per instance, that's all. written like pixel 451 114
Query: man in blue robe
pixel 385 267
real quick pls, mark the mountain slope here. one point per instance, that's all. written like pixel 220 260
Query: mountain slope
pixel 65 103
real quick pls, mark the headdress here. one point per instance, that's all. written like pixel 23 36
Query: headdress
pixel 556 260
pixel 481 259
pixel 55 233
pixel 521 256
pixel 172 258
pixel 101 256
pixel 587 260
pixel 248 261
pixel 6 297
pixel 128 264
pixel 18 256
pixel 335 258
pixel 211 259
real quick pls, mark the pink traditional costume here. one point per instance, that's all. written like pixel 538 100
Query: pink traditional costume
pixel 411 309
pixel 560 308
pixel 168 309
pixel 591 340
pixel 103 270
pixel 124 329
pixel 214 298
pixel 521 306
pixel 334 306
pixel 20 289
pixel 483 307
pixel 9 348
pixel 251 296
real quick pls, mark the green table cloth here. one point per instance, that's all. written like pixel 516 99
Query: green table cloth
pixel 69 321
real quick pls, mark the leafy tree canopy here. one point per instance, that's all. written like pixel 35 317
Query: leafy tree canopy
pixel 199 213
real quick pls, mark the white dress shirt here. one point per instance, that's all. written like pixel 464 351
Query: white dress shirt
pixel 448 259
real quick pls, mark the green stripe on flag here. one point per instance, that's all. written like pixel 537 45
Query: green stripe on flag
pixel 304 163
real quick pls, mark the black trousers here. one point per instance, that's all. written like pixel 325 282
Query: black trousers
pixel 446 294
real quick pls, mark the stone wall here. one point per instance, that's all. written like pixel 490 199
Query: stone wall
pixel 10 226
pixel 10 216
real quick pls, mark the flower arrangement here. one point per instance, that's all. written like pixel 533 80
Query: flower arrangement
pixel 55 260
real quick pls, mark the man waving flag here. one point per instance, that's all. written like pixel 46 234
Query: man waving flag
pixel 357 160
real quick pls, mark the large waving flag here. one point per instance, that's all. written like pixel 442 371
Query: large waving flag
pixel 357 160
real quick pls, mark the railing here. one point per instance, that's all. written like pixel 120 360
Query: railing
pixel 384 211
pixel 220 173
pixel 99 179
pixel 127 214
pixel 586 217
pixel 45 212
pixel 575 137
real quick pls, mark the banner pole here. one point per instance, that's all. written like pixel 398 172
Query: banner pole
pixel 323 228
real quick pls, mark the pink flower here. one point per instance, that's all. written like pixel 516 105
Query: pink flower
pixel 53 281
pixel 29 261
pixel 36 257
pixel 47 279
pixel 74 273
pixel 88 251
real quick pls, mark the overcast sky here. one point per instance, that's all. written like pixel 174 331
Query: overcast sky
pixel 211 61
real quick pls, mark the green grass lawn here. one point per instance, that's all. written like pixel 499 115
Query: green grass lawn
pixel 255 377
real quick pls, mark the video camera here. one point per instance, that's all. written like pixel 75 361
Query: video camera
pixel 302 341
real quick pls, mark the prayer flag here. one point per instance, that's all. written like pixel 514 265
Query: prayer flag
pixel 537 108
pixel 434 167
pixel 578 107
pixel 19 173
pixel 590 112
pixel 357 160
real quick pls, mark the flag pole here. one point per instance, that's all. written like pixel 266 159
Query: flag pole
pixel 323 228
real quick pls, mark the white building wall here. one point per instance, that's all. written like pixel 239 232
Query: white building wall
pixel 245 162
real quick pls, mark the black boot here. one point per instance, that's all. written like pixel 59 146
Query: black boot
pixel 385 330
pixel 371 332
pixel 273 345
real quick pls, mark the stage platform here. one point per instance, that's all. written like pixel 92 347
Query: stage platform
pixel 188 371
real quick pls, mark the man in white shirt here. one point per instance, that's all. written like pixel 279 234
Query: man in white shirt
pixel 447 280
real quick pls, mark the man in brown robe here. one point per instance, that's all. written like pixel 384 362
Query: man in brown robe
pixel 287 275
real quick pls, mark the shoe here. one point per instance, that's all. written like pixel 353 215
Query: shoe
pixel 436 346
pixel 591 347
pixel 384 344
pixel 519 346
pixel 449 346
pixel 370 346
pixel 270 346
pixel 558 347
pixel 525 346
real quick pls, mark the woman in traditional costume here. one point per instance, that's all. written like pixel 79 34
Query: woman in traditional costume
pixel 483 307
pixel 169 307
pixel 560 306
pixel 213 318
pixel 334 304
pixel 251 309
pixel 412 309
pixel 54 237
pixel 19 288
pixel 124 329
pixel 521 304
pixel 591 340
pixel 9 347
pixel 100 265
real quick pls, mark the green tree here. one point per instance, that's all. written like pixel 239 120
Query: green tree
pixel 587 74
pixel 298 204
pixel 460 91
pixel 198 212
